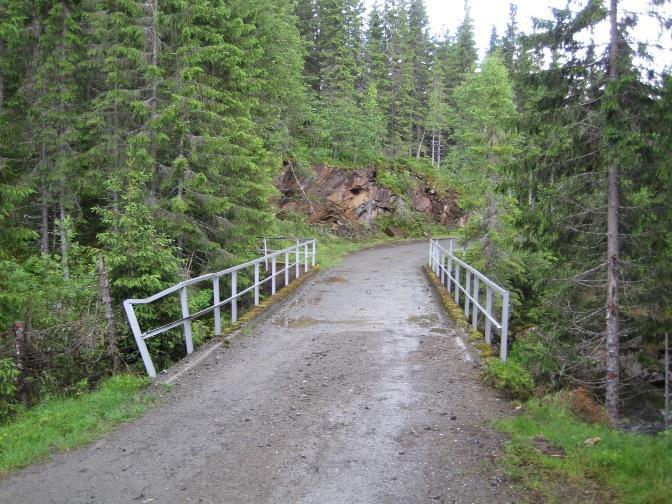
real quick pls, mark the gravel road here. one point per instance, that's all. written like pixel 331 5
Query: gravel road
pixel 354 390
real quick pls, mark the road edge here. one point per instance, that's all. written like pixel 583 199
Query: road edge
pixel 472 338
pixel 180 368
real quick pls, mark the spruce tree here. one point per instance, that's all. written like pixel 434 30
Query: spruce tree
pixel 462 54
pixel 509 40
pixel 436 114
pixel 282 104
pixel 307 23
pixel 56 99
pixel 485 150
pixel 400 111
pixel 216 183
pixel 119 110
pixel 420 47
pixel 494 40
pixel 377 57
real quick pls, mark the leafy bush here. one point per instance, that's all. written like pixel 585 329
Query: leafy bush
pixel 509 377
pixel 412 225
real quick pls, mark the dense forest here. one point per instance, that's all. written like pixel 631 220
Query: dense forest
pixel 139 142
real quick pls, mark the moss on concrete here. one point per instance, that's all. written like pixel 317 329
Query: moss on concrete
pixel 457 314
pixel 280 295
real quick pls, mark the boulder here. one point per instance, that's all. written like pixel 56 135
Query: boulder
pixel 393 232
pixel 421 201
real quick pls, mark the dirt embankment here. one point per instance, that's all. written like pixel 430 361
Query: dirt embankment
pixel 347 199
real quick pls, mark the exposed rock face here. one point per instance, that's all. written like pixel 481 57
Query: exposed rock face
pixel 346 199
pixel 421 200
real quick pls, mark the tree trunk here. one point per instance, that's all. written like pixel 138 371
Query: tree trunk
pixel 613 248
pixel 420 142
pixel 154 58
pixel 19 359
pixel 112 346
pixel 667 381
pixel 64 240
pixel 44 225
pixel 2 79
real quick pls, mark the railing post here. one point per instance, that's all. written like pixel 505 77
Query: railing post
pixel 467 273
pixel 504 337
pixel 474 310
pixel 218 315
pixel 442 259
pixel 256 284
pixel 184 301
pixel 488 310
pixel 305 256
pixel 298 260
pixel 137 334
pixel 433 257
pixel 286 268
pixel 449 270
pixel 234 294
pixel 273 268
pixel 431 247
pixel 314 252
pixel 458 284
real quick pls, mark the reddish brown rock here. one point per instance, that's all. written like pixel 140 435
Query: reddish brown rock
pixel 421 201
pixel 393 231
pixel 346 199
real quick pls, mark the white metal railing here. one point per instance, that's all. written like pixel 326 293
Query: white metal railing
pixel 459 277
pixel 303 253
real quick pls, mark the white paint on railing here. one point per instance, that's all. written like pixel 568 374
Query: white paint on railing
pixel 306 248
pixel 449 269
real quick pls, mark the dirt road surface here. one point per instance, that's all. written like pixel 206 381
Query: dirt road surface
pixel 354 390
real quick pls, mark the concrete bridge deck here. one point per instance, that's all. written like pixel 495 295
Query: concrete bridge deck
pixel 357 389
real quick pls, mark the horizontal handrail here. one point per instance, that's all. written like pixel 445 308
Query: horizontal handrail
pixel 210 276
pixel 449 268
pixel 303 253
pixel 471 269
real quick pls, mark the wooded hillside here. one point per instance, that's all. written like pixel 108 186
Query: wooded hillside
pixel 140 140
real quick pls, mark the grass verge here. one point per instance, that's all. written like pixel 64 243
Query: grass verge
pixel 613 466
pixel 61 424
pixel 331 252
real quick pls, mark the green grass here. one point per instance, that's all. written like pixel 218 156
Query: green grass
pixel 624 467
pixel 61 424
pixel 330 253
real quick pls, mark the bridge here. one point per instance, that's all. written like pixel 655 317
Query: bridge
pixel 355 389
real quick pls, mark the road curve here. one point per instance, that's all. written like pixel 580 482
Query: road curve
pixel 355 390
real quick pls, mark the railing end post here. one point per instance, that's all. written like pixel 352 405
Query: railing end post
pixel 139 341
pixel 504 337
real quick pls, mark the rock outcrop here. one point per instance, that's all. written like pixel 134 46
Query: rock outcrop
pixel 346 199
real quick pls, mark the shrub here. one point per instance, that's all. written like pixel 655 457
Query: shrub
pixel 509 377
pixel 397 181
pixel 535 355
pixel 8 373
